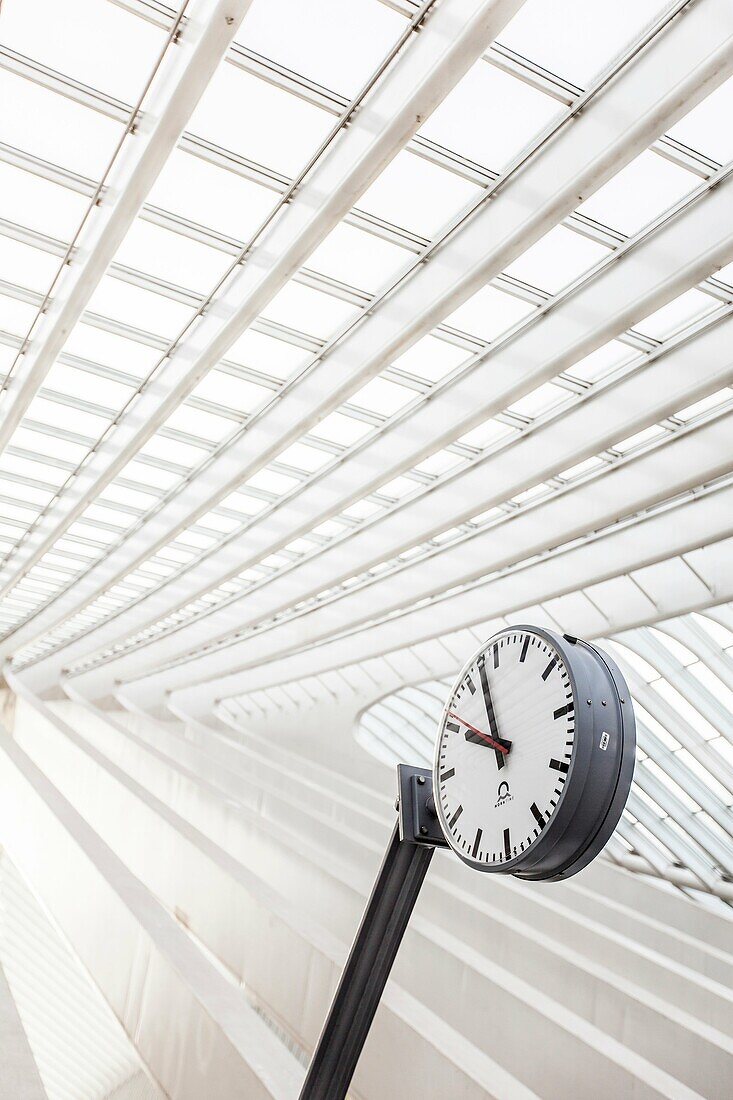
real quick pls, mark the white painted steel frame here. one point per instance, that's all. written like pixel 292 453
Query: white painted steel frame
pixel 660 536
pixel 585 155
pixel 660 267
pixel 379 125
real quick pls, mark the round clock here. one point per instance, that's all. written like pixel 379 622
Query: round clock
pixel 535 755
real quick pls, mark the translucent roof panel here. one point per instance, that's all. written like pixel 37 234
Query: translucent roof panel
pixel 56 129
pixel 269 126
pixel 576 39
pixel 490 116
pixel 125 48
pixel 358 37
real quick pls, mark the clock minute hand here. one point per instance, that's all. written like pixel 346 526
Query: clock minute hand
pixel 500 746
pixel 490 711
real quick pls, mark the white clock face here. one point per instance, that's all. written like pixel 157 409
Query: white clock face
pixel 505 748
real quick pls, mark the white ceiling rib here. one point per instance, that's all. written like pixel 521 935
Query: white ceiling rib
pixel 664 40
pixel 625 285
pixel 333 353
pixel 231 455
pixel 380 121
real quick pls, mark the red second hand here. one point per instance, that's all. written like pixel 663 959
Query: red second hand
pixel 490 740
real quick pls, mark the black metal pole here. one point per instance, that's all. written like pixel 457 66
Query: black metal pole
pixel 370 960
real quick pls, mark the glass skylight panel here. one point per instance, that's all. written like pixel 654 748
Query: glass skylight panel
pixel 431 358
pixel 488 313
pixel 601 362
pixel 486 434
pixel 88 386
pixel 48 445
pixel 340 429
pixel 58 35
pixel 38 204
pixel 26 266
pixel 705 404
pixel 397 487
pixel 213 197
pixel 416 195
pixel 92 532
pixel 329 529
pixel 382 397
pixel 639 193
pixel 32 466
pixel 276 358
pixel 57 415
pixel 172 257
pixel 214 520
pixel 16 316
pixel 576 39
pixel 587 466
pixel 202 425
pixel 706 128
pixel 358 258
pixel 130 356
pixel 359 36
pixel 439 463
pixel 173 451
pixel 56 129
pixel 244 502
pixel 269 126
pixel 557 259
pixel 490 116
pixel 149 473
pixel 647 435
pixel 271 481
pixel 310 311
pixel 232 392
pixel 539 401
pixel 304 457
pixel 133 498
pixel 359 510
pixel 153 313
pixel 677 315
pixel 30 495
pixel 108 514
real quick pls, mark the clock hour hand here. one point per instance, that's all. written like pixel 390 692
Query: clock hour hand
pixel 499 745
pixel 493 729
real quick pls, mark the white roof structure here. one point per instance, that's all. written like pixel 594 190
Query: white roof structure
pixel 336 334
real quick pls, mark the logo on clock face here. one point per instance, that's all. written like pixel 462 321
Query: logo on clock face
pixel 503 795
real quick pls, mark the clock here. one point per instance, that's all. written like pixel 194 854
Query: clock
pixel 535 755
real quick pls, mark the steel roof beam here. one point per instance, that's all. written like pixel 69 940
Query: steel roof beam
pixel 661 266
pixel 630 490
pixel 642 395
pixel 673 73
pixel 450 40
pixel 702 539
pixel 609 131
pixel 173 93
